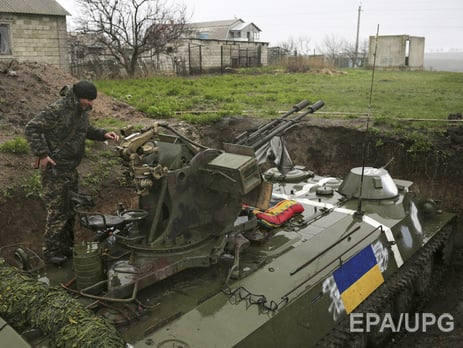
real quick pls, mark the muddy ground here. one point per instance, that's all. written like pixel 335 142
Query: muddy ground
pixel 328 147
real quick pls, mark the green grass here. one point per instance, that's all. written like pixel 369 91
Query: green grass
pixel 16 145
pixel 109 123
pixel 32 185
pixel 396 94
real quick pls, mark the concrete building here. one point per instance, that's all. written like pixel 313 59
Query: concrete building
pixel 218 45
pixel 33 30
pixel 397 52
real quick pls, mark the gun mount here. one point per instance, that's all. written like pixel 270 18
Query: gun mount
pixel 189 199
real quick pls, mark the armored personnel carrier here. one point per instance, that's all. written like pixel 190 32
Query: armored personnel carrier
pixel 233 247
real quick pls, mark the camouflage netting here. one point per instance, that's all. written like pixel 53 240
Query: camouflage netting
pixel 25 302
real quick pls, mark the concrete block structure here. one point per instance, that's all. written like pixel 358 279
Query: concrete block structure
pixel 34 31
pixel 396 52
pixel 209 55
pixel 219 45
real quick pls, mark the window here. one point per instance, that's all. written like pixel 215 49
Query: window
pixel 5 46
pixel 235 34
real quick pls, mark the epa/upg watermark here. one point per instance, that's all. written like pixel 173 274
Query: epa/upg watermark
pixel 405 322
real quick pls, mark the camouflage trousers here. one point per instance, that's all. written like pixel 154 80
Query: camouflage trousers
pixel 59 229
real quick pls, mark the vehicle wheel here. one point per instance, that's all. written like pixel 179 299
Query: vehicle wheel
pixel 22 259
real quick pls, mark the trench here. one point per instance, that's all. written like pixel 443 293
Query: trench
pixel 326 149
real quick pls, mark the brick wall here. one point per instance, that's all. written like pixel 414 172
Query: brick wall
pixel 38 38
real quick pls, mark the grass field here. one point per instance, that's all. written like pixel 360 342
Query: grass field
pixel 395 94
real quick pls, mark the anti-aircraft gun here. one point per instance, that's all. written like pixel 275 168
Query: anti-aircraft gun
pixel 190 197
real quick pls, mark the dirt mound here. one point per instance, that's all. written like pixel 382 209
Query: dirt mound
pixel 27 88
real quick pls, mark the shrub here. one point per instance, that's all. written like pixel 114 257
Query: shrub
pixel 16 145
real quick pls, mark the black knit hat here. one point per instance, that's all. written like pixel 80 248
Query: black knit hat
pixel 84 89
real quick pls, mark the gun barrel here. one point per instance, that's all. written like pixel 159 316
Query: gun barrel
pixel 244 139
pixel 319 104
pixel 280 129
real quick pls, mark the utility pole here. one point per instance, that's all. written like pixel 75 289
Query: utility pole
pixel 357 39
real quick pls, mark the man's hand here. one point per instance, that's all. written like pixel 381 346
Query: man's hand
pixel 111 136
pixel 44 162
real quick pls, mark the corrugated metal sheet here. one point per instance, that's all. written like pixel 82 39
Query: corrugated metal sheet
pixel 44 7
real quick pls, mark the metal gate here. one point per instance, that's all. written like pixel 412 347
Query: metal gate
pixel 231 56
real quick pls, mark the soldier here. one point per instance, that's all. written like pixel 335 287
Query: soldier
pixel 57 137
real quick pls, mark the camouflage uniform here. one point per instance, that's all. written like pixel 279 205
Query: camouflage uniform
pixel 60 132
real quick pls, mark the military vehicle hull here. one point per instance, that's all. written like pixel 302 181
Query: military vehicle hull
pixel 289 293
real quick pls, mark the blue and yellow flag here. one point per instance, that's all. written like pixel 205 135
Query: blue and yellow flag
pixel 358 278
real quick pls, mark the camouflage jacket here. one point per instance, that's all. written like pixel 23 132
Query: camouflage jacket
pixel 60 131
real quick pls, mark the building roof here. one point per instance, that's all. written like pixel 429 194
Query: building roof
pixel 219 29
pixel 222 23
pixel 43 7
pixel 242 26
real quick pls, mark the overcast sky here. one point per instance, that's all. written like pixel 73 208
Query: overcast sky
pixel 440 22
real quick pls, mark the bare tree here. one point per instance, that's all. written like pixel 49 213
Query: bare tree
pixel 337 50
pixel 357 56
pixel 350 51
pixel 333 47
pixel 299 46
pixel 130 29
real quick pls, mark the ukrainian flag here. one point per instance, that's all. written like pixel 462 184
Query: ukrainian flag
pixel 358 278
